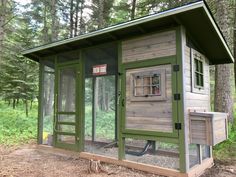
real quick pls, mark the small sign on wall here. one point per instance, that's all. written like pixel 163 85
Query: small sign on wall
pixel 100 69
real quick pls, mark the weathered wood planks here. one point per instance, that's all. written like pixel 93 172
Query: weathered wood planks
pixel 208 128
pixel 149 47
pixel 150 114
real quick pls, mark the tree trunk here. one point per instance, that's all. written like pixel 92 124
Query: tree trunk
pixel 170 4
pixel 223 73
pixel 96 93
pixel 81 21
pixel 2 22
pixel 76 18
pixel 69 93
pixel 71 18
pixel 46 94
pixel 234 44
pixel 51 96
pixel 101 21
pixel 45 25
pixel 103 94
pixel 133 9
pixel 14 103
pixel 31 104
pixel 54 25
pixel 26 108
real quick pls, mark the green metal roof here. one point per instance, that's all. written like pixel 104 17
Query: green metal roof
pixel 195 17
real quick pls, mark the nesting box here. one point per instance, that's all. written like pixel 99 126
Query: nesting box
pixel 208 128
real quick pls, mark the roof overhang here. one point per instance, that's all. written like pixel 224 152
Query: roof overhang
pixel 195 17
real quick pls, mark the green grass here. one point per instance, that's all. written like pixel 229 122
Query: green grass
pixel 227 149
pixel 15 127
pixel 105 126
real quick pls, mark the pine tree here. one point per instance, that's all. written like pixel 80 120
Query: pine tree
pixel 19 75
pixel 6 15
pixel 223 87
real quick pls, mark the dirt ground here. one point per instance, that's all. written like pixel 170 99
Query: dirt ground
pixel 27 161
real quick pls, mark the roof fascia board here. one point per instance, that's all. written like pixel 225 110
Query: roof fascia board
pixel 120 26
pixel 218 32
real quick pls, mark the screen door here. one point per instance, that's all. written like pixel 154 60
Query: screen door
pixel 66 119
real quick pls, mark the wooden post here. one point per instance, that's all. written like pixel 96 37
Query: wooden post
pixel 94 108
pixel 116 102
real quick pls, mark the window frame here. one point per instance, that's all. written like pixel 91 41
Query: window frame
pixel 148 72
pixel 200 58
pixel 198 72
pixel 146 82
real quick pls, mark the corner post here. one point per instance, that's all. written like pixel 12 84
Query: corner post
pixel 120 92
pixel 183 132
pixel 80 87
pixel 55 100
pixel 40 103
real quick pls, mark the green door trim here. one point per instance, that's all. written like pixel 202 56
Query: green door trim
pixel 75 147
pixel 149 63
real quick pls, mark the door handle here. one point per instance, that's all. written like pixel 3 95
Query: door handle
pixel 118 98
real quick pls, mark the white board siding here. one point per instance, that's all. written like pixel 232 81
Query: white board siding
pixel 193 100
pixel 149 47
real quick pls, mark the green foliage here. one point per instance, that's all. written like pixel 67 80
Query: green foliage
pixel 227 149
pixel 48 124
pixel 88 120
pixel 15 127
pixel 19 76
pixel 105 126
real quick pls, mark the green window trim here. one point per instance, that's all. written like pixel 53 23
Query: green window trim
pixel 197 62
pixel 198 72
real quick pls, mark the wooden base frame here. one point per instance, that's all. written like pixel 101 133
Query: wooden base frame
pixel 199 169
pixel 194 172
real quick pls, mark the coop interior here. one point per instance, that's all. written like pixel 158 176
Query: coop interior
pixel 47 102
pixel 100 128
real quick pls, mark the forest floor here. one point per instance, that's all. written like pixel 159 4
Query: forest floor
pixel 29 161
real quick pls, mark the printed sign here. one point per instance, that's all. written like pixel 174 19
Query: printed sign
pixel 100 69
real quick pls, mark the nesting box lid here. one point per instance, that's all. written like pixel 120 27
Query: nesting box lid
pixel 208 114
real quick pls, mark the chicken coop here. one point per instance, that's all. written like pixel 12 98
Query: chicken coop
pixel 136 94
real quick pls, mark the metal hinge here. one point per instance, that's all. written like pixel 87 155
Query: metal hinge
pixel 177 96
pixel 175 68
pixel 178 126
pixel 123 102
